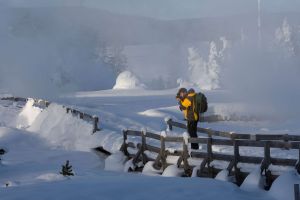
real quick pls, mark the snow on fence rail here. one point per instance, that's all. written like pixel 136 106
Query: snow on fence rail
pixel 206 158
pixel 43 104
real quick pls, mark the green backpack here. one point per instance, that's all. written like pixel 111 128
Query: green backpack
pixel 200 101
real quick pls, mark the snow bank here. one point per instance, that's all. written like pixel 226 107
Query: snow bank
pixel 150 170
pixel 222 175
pixel 50 177
pixel 115 162
pixel 127 80
pixel 283 186
pixel 254 181
pixel 28 114
pixel 63 130
pixel 173 171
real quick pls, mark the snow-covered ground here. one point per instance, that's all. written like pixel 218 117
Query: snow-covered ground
pixel 39 141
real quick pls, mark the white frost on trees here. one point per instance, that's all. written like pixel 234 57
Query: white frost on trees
pixel 287 37
pixel 205 73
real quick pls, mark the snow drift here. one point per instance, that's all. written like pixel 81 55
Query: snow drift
pixel 127 80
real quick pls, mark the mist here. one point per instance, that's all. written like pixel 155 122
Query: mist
pixel 48 50
pixel 265 74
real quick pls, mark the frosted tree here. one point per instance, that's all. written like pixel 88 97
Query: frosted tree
pixel 204 73
pixel 287 37
pixel 113 56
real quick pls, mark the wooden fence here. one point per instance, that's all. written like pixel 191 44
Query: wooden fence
pixel 43 104
pixel 232 135
pixel 206 157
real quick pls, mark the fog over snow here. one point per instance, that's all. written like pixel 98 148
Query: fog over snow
pixel 53 47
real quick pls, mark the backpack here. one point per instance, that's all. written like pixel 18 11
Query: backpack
pixel 200 102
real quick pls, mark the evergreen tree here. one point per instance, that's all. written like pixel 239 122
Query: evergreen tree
pixel 67 169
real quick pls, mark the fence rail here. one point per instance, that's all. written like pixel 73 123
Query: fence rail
pixel 232 135
pixel 44 103
pixel 206 169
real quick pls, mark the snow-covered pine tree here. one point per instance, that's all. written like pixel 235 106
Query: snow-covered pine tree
pixel 67 169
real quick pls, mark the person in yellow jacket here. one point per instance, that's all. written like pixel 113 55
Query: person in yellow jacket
pixel 186 105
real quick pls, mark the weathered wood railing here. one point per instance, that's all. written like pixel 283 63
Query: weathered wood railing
pixel 206 169
pixel 232 135
pixel 43 104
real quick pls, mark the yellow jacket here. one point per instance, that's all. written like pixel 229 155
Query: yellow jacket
pixel 188 108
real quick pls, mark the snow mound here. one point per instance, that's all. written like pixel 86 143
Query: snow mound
pixel 115 162
pixel 28 114
pixel 127 80
pixel 150 170
pixel 173 171
pixel 63 130
pixel 253 182
pixel 283 186
pixel 222 175
pixel 129 165
pixel 50 177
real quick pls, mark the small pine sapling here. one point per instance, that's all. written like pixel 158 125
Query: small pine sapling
pixel 67 169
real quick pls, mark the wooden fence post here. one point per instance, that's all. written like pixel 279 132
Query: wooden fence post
pixel 124 145
pixel 169 124
pixel 298 163
pixel 265 165
pixel 185 156
pixel 209 155
pixel 144 157
pixel 95 124
pixel 163 152
pixel 237 174
pixel 296 192
pixel 267 155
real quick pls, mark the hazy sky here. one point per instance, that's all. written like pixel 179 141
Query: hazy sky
pixel 172 9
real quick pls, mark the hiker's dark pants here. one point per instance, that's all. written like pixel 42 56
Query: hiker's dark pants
pixel 192 130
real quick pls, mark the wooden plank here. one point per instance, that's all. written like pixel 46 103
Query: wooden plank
pixel 134 133
pixel 224 157
pixel 251 143
pixel 224 142
pixel 283 161
pixel 153 136
pixel 250 159
pixel 152 148
pixel 296 192
pixel 198 140
pixel 173 139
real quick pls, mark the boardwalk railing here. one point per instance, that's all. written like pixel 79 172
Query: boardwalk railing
pixel 43 104
pixel 232 135
pixel 206 157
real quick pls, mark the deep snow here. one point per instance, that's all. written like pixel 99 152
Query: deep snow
pixel 45 141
